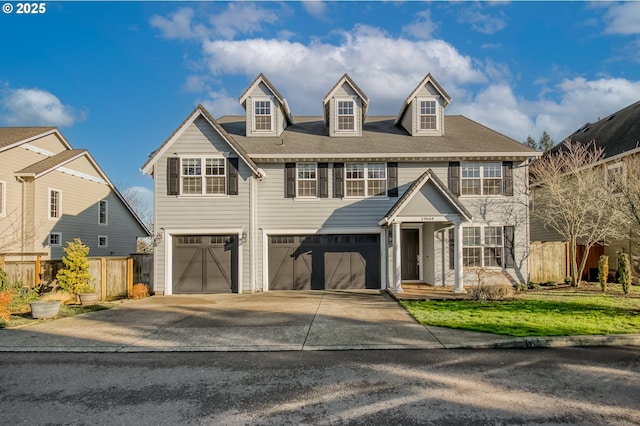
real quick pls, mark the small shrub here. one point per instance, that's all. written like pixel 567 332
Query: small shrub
pixel 55 295
pixel 520 287
pixel 139 291
pixel 6 299
pixel 624 272
pixel 492 292
pixel 533 285
pixel 75 278
pixel 603 271
pixel 567 280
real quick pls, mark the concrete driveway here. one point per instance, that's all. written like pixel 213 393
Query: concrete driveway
pixel 272 321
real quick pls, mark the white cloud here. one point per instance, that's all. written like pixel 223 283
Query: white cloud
pixel 623 18
pixel 179 25
pixel 480 21
pixel 422 27
pixel 220 104
pixel 315 8
pixel 141 200
pixel 35 107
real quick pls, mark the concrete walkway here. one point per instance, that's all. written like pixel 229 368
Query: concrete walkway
pixel 273 321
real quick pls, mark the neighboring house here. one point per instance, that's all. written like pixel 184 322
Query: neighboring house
pixel 619 136
pixel 343 200
pixel 51 193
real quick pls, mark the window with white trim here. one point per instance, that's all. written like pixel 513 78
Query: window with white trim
pixel 3 198
pixel 428 116
pixel 368 179
pixel 103 212
pixel 482 246
pixel 480 178
pixel 55 204
pixel 346 118
pixel 103 241
pixel 616 176
pixel 307 179
pixel 207 180
pixel 55 239
pixel 262 115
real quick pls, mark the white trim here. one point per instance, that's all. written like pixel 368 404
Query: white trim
pixel 354 108
pixel 203 175
pixel 266 233
pixel 419 227
pixel 36 137
pixel 396 156
pixel 106 212
pixel 419 129
pixel 307 197
pixel 106 240
pixel 3 198
pixel 254 115
pixel 168 251
pixel 59 234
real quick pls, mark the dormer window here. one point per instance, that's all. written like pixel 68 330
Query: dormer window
pixel 428 117
pixel 345 116
pixel 262 116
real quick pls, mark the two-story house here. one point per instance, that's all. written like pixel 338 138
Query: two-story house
pixel 343 200
pixel 51 193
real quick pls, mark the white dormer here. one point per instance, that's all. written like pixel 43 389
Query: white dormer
pixel 267 112
pixel 422 113
pixel 345 108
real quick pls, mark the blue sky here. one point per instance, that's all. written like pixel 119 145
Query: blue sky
pixel 117 78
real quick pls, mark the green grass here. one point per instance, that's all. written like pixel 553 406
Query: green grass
pixel 543 313
pixel 25 319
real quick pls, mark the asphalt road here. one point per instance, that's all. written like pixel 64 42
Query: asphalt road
pixel 450 387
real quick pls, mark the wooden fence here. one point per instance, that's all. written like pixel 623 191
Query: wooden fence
pixel 548 261
pixel 113 276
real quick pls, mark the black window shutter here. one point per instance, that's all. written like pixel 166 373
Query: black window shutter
pixel 509 255
pixel 173 176
pixel 452 249
pixel 454 177
pixel 232 176
pixel 392 179
pixel 290 180
pixel 338 180
pixel 507 178
pixel 323 180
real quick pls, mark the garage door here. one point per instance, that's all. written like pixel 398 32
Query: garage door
pixel 324 262
pixel 205 264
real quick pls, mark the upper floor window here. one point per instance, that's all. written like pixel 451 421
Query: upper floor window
pixel 481 178
pixel 199 180
pixel 55 204
pixel 307 180
pixel 262 115
pixel 365 179
pixel 616 176
pixel 346 120
pixel 103 212
pixel 428 117
pixel 3 199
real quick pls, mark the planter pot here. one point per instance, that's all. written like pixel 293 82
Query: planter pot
pixel 88 299
pixel 45 310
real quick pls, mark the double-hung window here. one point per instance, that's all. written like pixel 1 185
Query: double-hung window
pixel 207 180
pixel 262 115
pixel 307 179
pixel 428 117
pixel 481 178
pixel 55 204
pixel 482 246
pixel 346 120
pixel 365 179
pixel 103 212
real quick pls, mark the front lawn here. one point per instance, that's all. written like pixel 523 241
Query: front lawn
pixel 563 312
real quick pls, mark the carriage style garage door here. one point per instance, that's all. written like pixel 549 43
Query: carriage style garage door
pixel 324 262
pixel 205 264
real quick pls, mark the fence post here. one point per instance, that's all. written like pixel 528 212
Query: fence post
pixel 103 278
pixel 38 270
pixel 129 276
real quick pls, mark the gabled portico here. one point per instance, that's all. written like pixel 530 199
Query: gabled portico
pixel 426 207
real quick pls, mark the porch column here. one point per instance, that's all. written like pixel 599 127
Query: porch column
pixel 457 261
pixel 397 271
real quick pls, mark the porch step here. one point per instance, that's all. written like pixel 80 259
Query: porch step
pixel 417 286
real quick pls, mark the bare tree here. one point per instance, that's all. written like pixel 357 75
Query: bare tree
pixel 626 181
pixel 571 197
pixel 15 236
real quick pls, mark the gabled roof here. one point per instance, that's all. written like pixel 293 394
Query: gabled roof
pixel 51 163
pixel 11 137
pixel 617 134
pixel 410 193
pixel 264 80
pixel 201 111
pixel 429 79
pixel 348 80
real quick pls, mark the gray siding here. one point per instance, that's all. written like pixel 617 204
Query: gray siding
pixel 193 214
pixel 345 92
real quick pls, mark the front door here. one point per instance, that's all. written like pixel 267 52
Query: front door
pixel 410 254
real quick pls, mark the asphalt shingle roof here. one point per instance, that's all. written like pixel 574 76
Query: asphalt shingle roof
pixel 51 163
pixel 11 135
